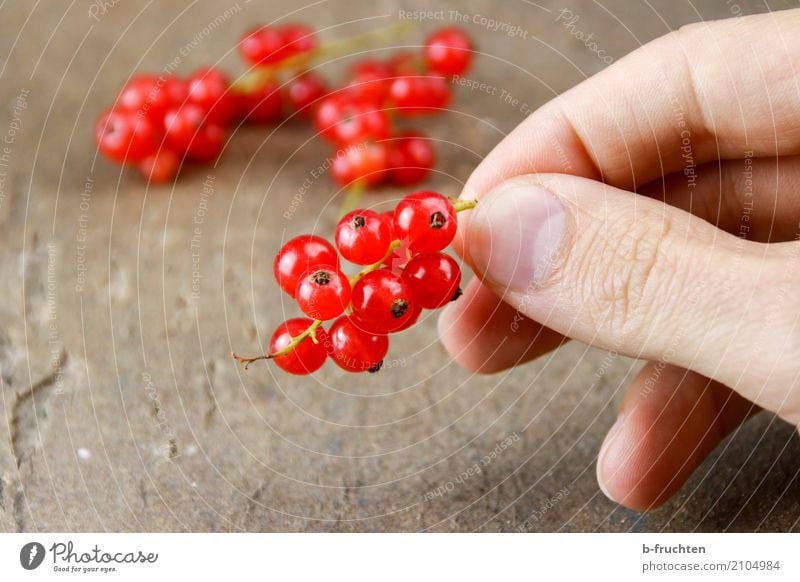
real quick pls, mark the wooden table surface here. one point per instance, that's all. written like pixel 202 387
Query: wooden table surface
pixel 121 407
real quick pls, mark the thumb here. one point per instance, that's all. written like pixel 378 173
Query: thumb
pixel 631 274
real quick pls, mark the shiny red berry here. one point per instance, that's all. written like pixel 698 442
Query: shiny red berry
pixel 298 38
pixel 323 292
pixel 434 279
pixel 382 302
pixel 354 349
pixel 125 136
pixel 371 81
pixel 343 121
pixel 411 158
pixel 306 357
pixel 363 237
pixel 300 255
pixel 366 163
pixel 160 167
pixel 151 95
pixel 427 220
pixel 417 311
pixel 209 89
pixel 304 92
pixel 421 94
pixel 263 45
pixel 448 51
pixel 188 131
pixel 262 105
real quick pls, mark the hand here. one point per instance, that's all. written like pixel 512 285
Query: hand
pixel 631 213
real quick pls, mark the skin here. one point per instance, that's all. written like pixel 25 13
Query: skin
pixel 698 274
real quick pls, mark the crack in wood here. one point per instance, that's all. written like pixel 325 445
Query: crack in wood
pixel 25 428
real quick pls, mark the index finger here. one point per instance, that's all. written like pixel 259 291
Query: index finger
pixel 707 91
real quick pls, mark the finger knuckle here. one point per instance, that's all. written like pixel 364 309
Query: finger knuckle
pixel 624 274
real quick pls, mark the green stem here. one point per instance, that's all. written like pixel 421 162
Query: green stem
pixel 254 79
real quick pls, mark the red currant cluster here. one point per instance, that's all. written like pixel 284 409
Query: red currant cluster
pixel 158 121
pixel 405 271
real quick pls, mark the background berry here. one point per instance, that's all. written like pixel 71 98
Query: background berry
pixel 448 51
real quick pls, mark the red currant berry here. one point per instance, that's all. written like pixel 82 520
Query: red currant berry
pixel 433 278
pixel 427 220
pixel 363 237
pixel 300 255
pixel 366 163
pixel 371 82
pixel 187 131
pixel 382 302
pixel 448 51
pixel 413 319
pixel 303 93
pixel 323 293
pixel 354 349
pixel 411 158
pixel 263 105
pixel 209 89
pixel 161 167
pixel 125 136
pixel 298 38
pixel 151 96
pixel 306 357
pixel 263 46
pixel 414 95
pixel 343 121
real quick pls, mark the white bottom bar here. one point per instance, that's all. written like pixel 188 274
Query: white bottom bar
pixel 401 557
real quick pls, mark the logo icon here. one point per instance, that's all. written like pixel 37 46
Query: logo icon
pixel 31 555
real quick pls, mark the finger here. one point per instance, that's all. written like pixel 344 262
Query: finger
pixel 758 199
pixel 485 334
pixel 628 273
pixel 668 423
pixel 666 107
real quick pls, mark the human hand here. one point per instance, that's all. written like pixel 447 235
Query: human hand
pixel 704 126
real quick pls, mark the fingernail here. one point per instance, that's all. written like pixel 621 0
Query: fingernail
pixel 515 234
pixel 608 443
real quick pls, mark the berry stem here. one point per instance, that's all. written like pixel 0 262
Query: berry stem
pixel 459 205
pixel 376 265
pixel 310 332
pixel 253 80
